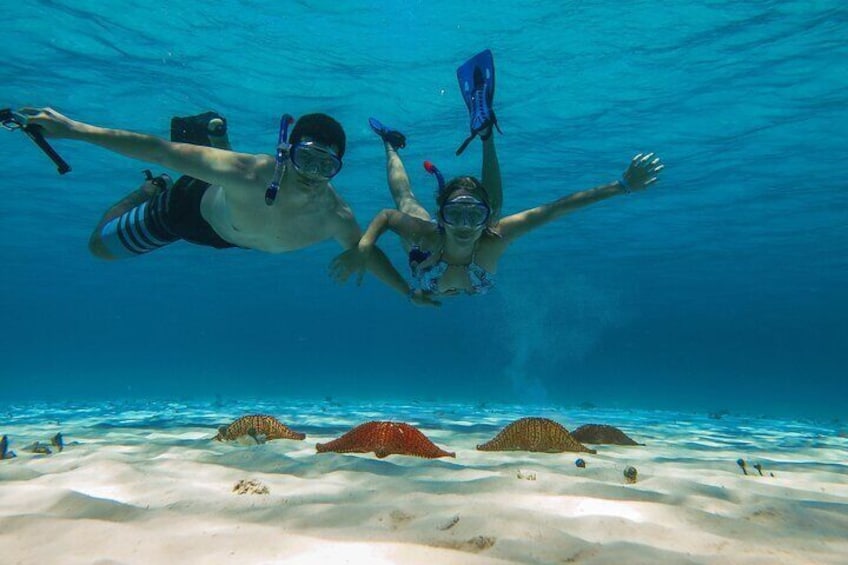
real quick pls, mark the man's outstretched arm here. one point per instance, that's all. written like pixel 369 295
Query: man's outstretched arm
pixel 215 166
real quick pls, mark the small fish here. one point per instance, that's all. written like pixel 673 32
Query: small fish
pixel 741 463
pixel 630 474
pixel 759 468
pixel 58 441
pixel 4 449
pixel 528 476
pixel 39 448
pixel 580 463
pixel 450 523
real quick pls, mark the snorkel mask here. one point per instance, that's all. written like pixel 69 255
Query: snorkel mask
pixel 465 210
pixel 308 158
pixel 314 161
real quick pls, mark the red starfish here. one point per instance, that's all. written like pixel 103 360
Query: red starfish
pixel 385 438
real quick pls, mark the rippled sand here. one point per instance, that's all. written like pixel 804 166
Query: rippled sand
pixel 144 483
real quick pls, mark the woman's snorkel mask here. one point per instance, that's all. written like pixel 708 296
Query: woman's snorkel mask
pixel 465 210
pixel 308 158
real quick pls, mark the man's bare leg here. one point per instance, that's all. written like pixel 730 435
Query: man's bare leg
pixel 147 191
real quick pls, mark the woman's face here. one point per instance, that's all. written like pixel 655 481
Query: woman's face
pixel 463 235
pixel 464 217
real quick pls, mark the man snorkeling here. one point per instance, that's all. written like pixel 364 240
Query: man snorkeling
pixel 226 199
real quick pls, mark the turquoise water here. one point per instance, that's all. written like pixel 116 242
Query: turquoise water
pixel 721 288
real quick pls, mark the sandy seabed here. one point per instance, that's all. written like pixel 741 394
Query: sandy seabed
pixel 146 484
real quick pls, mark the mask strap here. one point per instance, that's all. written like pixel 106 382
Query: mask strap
pixel 281 159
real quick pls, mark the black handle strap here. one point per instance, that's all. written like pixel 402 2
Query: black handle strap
pixel 12 120
pixel 34 133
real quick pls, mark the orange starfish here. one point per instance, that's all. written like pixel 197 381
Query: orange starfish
pixel 534 434
pixel 385 438
pixel 256 425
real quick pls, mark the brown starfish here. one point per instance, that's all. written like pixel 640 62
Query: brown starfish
pixel 534 434
pixel 385 438
pixel 602 434
pixel 255 425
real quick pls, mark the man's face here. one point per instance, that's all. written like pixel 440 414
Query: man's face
pixel 315 162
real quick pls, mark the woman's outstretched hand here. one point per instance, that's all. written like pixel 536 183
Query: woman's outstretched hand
pixel 643 171
pixel 354 261
pixel 421 298
pixel 350 262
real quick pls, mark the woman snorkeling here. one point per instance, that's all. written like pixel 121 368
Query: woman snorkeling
pixel 458 251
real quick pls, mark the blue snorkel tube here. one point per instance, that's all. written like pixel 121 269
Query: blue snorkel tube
pixel 431 168
pixel 281 158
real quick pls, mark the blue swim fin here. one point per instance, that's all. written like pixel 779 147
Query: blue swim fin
pixel 477 85
pixel 391 136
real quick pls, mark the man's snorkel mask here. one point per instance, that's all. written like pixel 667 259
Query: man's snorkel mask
pixel 308 158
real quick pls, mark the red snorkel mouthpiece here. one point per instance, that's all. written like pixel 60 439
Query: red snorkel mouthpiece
pixel 431 168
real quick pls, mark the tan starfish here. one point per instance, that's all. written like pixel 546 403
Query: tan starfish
pixel 534 434
pixel 256 425
pixel 602 434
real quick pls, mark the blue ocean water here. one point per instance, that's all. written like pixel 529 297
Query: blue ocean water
pixel 721 288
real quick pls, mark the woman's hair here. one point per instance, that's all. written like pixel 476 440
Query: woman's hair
pixel 466 186
pixel 462 185
pixel 321 128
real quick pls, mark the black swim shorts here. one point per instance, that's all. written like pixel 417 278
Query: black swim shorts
pixel 183 218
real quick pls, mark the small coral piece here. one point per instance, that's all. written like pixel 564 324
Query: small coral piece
pixel 250 487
